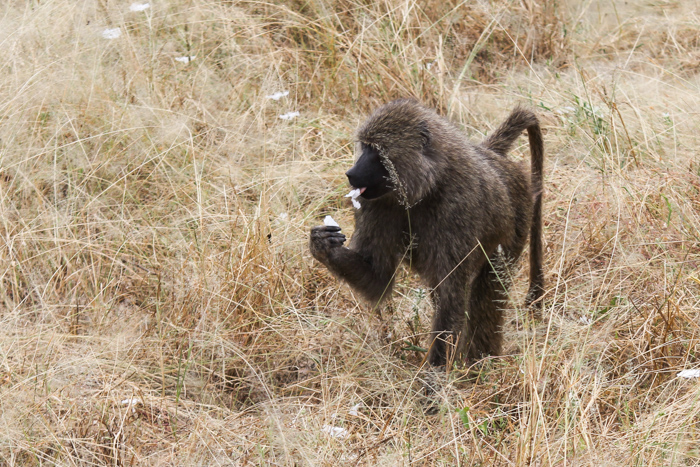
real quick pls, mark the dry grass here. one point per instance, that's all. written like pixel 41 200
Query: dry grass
pixel 159 305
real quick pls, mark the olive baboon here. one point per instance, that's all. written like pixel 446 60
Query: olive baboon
pixel 458 213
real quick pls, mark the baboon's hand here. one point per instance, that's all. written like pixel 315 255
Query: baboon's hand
pixel 323 240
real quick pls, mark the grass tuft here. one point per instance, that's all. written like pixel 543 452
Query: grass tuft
pixel 158 302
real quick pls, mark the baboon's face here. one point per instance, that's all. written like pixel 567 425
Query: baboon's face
pixel 369 174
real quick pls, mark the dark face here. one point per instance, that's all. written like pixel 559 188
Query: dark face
pixel 369 174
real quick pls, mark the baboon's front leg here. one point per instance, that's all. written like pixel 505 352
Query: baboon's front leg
pixel 370 275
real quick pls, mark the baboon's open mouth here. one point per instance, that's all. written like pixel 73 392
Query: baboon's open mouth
pixel 356 191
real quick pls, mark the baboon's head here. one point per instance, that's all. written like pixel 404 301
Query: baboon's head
pixel 395 153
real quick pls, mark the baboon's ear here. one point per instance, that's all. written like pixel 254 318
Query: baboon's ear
pixel 424 133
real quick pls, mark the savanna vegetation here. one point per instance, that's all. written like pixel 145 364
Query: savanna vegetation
pixel 158 302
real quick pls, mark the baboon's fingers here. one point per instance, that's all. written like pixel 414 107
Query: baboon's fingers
pixel 316 235
pixel 325 228
pixel 321 234
pixel 330 236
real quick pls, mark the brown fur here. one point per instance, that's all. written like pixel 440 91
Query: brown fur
pixel 453 203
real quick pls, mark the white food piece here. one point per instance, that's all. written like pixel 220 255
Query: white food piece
pixel 289 115
pixel 111 33
pixel 335 431
pixel 354 195
pixel 139 6
pixel 185 59
pixel 328 221
pixel 689 374
pixel 278 95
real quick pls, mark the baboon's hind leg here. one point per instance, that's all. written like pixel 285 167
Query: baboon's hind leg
pixel 487 302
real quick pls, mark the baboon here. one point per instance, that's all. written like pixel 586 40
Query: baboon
pixel 458 213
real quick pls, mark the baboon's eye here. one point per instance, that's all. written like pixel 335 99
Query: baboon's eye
pixel 424 133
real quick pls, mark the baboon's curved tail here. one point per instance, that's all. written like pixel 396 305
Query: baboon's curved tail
pixel 501 141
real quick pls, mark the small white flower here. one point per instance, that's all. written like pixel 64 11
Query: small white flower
pixel 111 33
pixel 565 110
pixel 355 410
pixel 185 59
pixel 284 216
pixel 139 6
pixel 689 374
pixel 335 431
pixel 278 95
pixel 134 401
pixel 354 194
pixel 586 320
pixel 289 115
pixel 328 221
